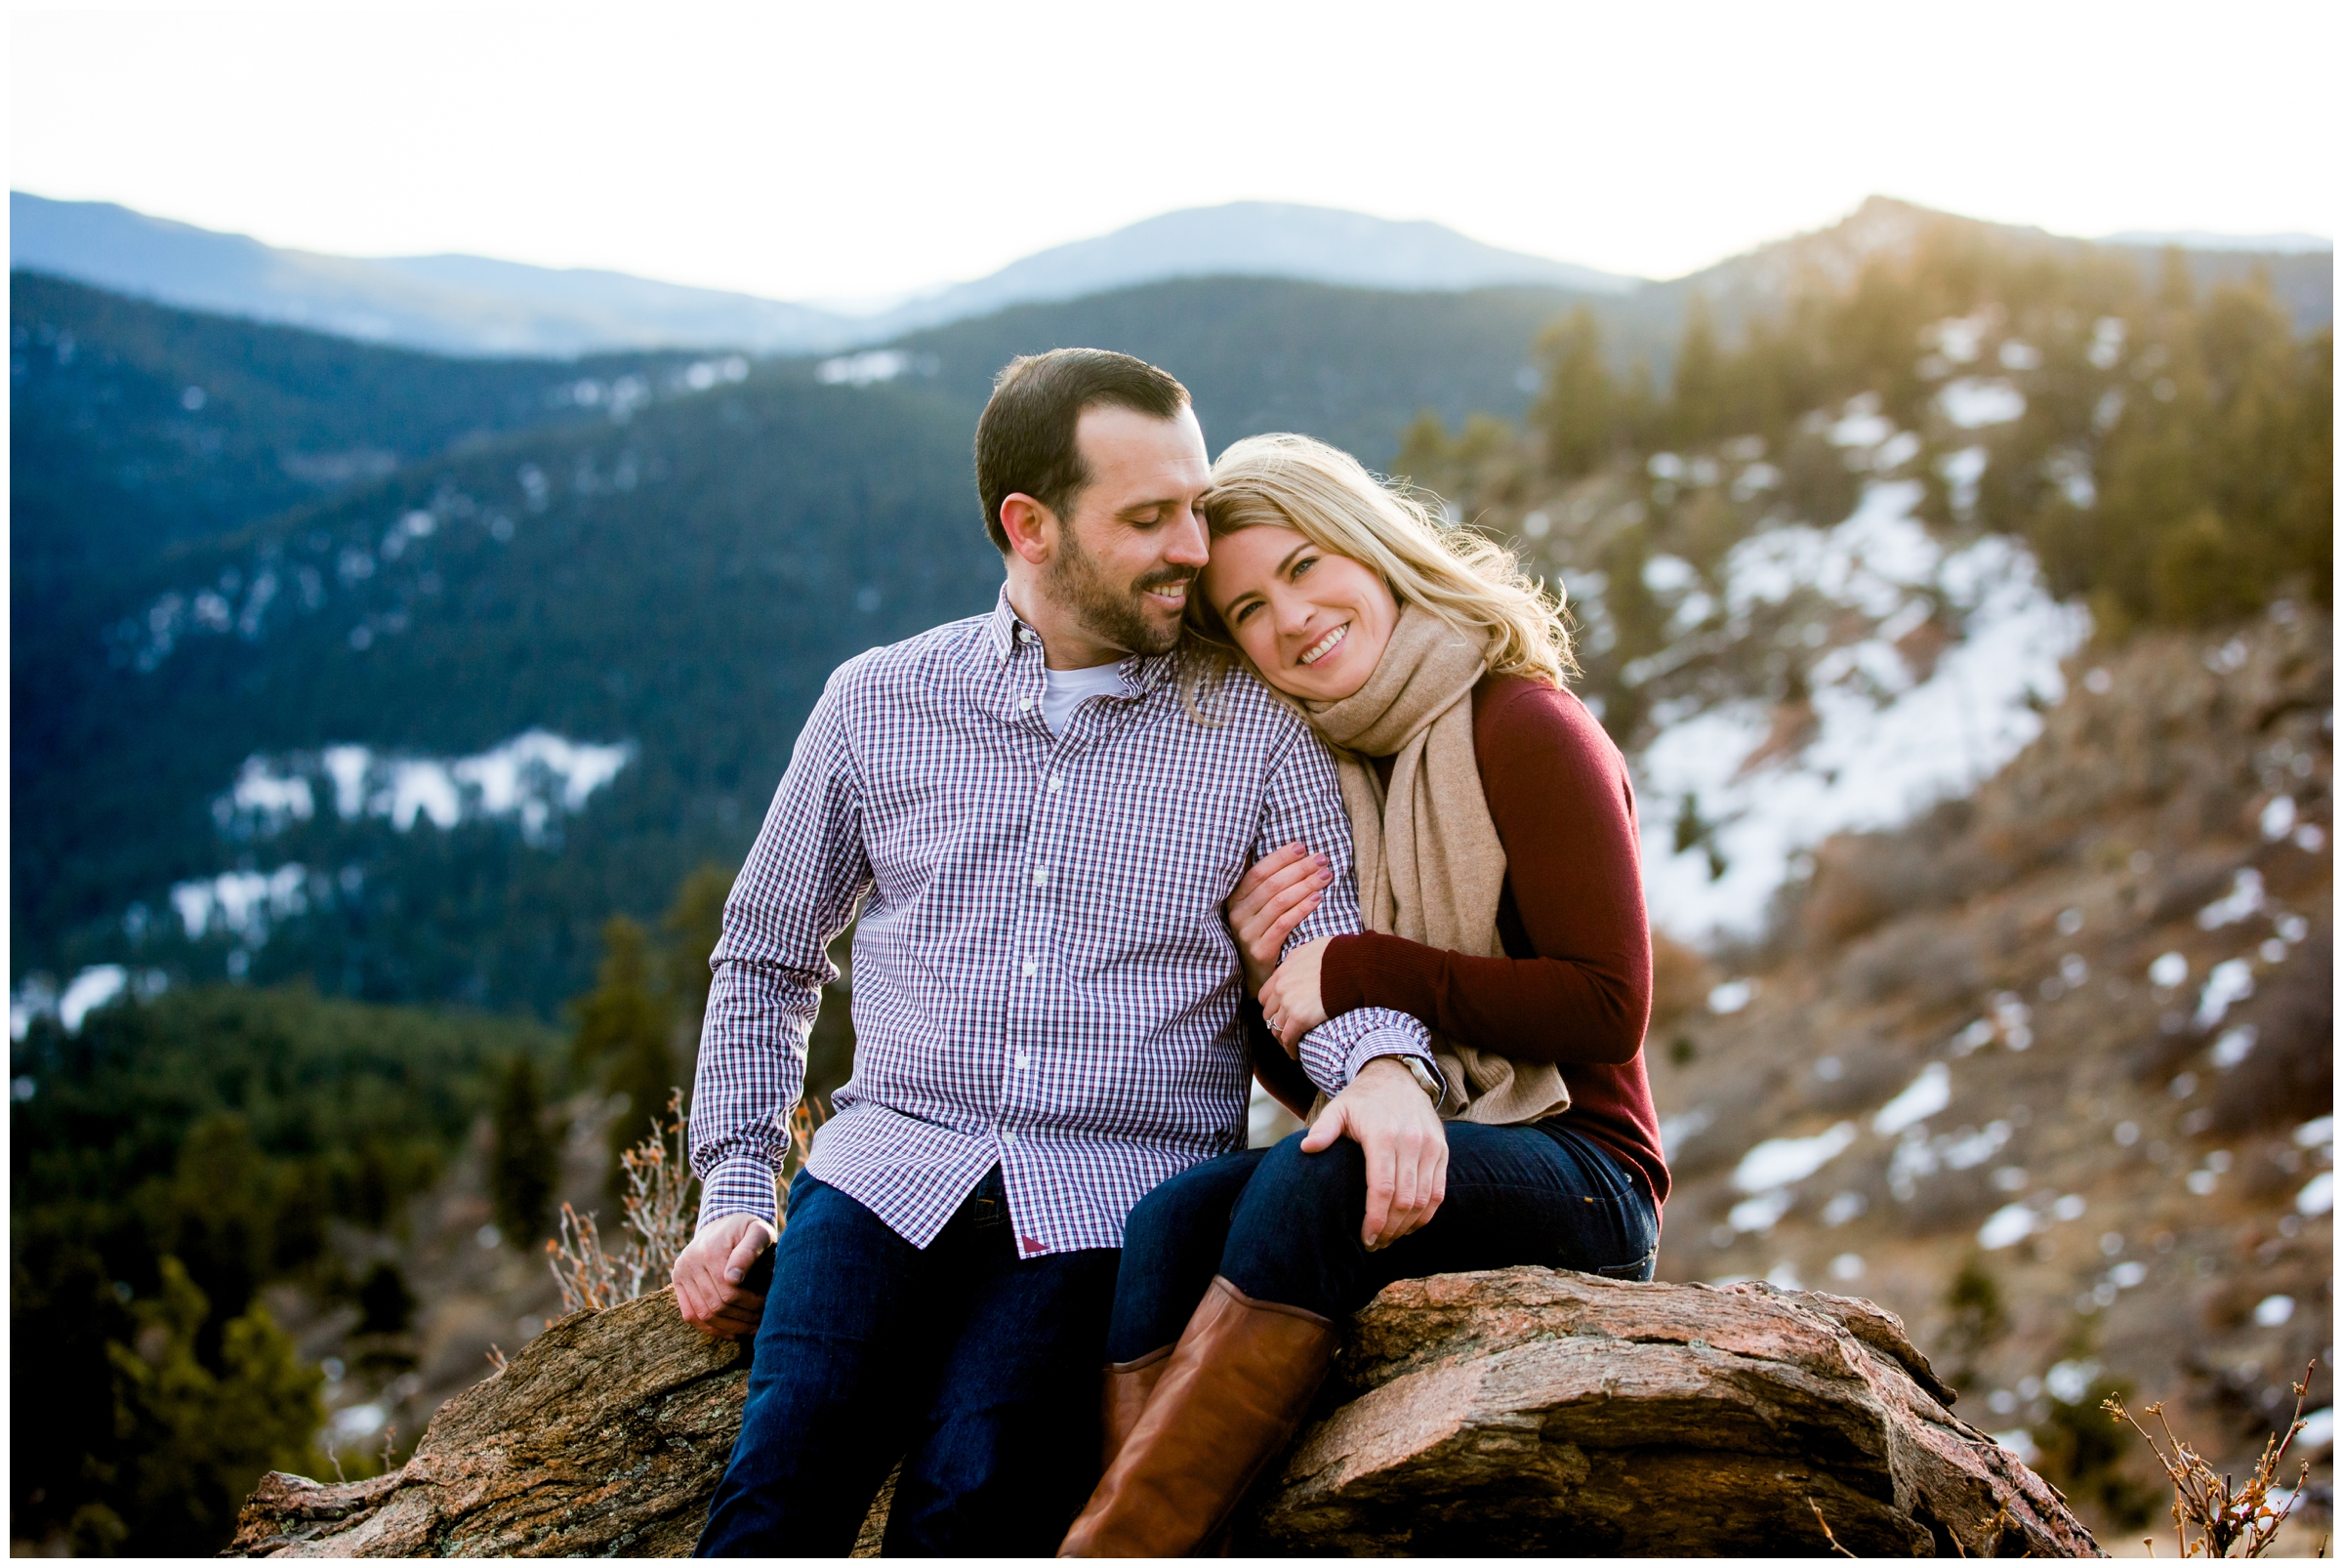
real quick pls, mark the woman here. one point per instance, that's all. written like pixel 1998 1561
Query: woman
pixel 1494 835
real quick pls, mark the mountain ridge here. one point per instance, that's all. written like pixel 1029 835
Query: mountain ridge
pixel 479 305
pixel 475 305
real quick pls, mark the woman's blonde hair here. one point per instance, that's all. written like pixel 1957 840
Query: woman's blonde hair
pixel 1325 494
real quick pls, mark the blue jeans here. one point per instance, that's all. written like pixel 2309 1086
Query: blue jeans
pixel 978 1368
pixel 1283 1226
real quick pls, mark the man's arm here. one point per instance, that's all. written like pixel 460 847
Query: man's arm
pixel 1304 804
pixel 795 895
pixel 1375 1104
pixel 797 891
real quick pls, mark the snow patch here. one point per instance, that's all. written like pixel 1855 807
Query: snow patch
pixel 1975 402
pixel 529 779
pixel 1777 1162
pixel 1884 746
pixel 1922 1098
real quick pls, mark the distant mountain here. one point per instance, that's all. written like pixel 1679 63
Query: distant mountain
pixel 2199 239
pixel 1758 281
pixel 462 305
pixel 1259 239
pixel 469 304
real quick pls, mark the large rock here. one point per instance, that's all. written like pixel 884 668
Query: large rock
pixel 1559 1414
pixel 1522 1410
pixel 604 1437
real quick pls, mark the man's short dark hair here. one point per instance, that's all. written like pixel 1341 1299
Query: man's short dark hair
pixel 1025 439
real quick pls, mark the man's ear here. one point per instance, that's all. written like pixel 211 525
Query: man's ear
pixel 1028 525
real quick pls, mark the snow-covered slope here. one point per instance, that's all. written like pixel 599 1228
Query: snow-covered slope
pixel 1893 724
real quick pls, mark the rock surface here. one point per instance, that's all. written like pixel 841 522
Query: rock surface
pixel 1521 1411
pixel 1559 1414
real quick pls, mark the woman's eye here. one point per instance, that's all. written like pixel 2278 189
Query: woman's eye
pixel 1303 565
pixel 1244 611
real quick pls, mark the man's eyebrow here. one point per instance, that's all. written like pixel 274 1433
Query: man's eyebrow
pixel 1138 507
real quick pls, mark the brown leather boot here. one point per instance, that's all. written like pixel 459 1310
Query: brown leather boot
pixel 1235 1388
pixel 1127 1386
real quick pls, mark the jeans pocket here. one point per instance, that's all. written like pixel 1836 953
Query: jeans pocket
pixel 1639 1270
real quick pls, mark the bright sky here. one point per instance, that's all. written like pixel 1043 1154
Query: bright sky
pixel 808 151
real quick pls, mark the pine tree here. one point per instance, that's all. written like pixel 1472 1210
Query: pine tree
pixel 623 1037
pixel 1579 411
pixel 620 1010
pixel 694 924
pixel 1697 391
pixel 522 1162
pixel 193 1440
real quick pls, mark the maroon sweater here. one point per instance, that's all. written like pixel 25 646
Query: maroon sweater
pixel 1575 987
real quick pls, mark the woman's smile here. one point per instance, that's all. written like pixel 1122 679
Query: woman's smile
pixel 1324 645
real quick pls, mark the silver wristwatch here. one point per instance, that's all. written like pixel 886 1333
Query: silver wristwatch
pixel 1424 1078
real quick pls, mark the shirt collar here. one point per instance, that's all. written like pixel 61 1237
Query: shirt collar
pixel 1143 673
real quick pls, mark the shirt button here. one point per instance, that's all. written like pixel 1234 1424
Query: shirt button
pixel 1024 704
pixel 1041 876
pixel 1009 1139
pixel 1025 633
pixel 1023 1061
pixel 1055 783
pixel 1030 967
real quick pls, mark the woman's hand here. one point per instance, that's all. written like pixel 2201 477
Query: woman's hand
pixel 1395 1127
pixel 1291 998
pixel 1277 894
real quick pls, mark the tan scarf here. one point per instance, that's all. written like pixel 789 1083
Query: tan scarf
pixel 1430 866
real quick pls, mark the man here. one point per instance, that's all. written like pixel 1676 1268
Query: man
pixel 1038 832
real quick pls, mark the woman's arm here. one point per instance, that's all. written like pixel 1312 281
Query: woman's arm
pixel 1559 795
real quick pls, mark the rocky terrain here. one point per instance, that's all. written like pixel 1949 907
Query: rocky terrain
pixel 2050 1072
pixel 1524 1411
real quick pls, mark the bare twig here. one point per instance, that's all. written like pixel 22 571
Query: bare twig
pixel 659 1215
pixel 2223 1515
pixel 496 1356
pixel 333 1457
pixel 390 1445
pixel 1826 1535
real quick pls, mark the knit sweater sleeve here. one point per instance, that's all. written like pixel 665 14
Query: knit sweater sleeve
pixel 1564 809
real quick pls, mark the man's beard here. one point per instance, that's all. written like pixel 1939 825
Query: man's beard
pixel 1112 614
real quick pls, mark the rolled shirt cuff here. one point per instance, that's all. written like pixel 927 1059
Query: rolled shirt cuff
pixel 738 1185
pixel 1390 1042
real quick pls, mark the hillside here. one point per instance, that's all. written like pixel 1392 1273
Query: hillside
pixel 2050 1072
pixel 658 596
pixel 134 427
pixel 1967 625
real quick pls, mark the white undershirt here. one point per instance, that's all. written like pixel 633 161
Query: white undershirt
pixel 1065 690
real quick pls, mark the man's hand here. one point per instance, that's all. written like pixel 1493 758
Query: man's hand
pixel 1276 895
pixel 1395 1125
pixel 1291 998
pixel 707 1275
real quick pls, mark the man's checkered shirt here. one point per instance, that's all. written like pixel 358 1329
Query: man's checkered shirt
pixel 1043 979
